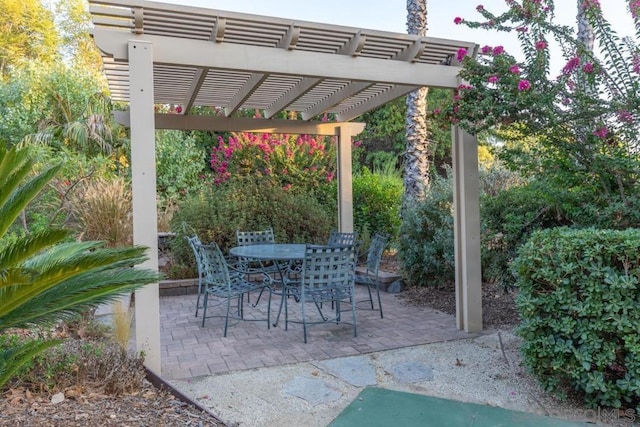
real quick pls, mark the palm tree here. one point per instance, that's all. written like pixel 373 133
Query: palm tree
pixel 416 159
pixel 45 276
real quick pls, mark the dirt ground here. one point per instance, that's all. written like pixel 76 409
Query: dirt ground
pixel 498 307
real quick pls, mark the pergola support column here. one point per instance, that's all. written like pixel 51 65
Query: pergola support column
pixel 345 179
pixel 143 171
pixel 466 201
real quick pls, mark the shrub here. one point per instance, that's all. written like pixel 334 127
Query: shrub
pixel 509 218
pixel 579 297
pixel 377 197
pixel 425 244
pixel 180 164
pixel 246 204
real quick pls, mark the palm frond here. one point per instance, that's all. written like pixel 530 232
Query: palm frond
pixel 76 295
pixel 21 196
pixel 14 167
pixel 64 262
pixel 14 357
pixel 15 252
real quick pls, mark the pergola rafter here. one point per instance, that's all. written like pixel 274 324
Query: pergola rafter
pixel 157 53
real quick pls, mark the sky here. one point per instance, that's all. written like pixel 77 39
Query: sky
pixel 391 15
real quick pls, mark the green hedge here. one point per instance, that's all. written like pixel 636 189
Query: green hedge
pixel 579 300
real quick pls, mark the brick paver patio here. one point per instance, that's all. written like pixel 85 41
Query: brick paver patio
pixel 190 350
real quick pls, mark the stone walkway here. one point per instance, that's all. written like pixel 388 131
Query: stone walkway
pixel 189 350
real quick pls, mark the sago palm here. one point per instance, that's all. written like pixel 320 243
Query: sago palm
pixel 44 277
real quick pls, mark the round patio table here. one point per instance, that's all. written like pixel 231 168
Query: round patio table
pixel 281 254
pixel 270 251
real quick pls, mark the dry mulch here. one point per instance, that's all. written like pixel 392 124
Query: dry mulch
pixel 498 306
pixel 148 407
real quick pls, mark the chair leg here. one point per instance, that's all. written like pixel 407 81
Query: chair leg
pixel 370 296
pixel 269 308
pixel 204 307
pixel 199 294
pixel 304 323
pixel 284 295
pixel 353 313
pixel 379 301
pixel 226 318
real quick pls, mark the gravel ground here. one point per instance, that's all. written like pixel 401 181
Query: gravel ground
pixel 483 370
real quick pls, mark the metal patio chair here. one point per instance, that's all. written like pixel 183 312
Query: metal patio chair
pixel 369 277
pixel 340 238
pixel 257 237
pixel 226 283
pixel 327 275
pixel 195 243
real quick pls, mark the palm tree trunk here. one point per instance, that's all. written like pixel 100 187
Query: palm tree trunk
pixel 416 156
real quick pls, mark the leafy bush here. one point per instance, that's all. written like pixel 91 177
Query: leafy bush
pixel 426 241
pixel 180 164
pixel 247 204
pixel 509 218
pixel 579 297
pixel 377 197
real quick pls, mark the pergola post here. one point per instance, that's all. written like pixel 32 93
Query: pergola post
pixel 143 172
pixel 466 202
pixel 345 179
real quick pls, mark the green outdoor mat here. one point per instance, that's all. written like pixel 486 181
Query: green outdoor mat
pixel 380 407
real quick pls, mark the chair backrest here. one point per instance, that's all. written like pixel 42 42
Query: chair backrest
pixel 214 265
pixel 246 238
pixel 339 238
pixel 376 249
pixel 326 269
pixel 195 243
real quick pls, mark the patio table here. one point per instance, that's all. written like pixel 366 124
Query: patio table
pixel 283 255
pixel 275 252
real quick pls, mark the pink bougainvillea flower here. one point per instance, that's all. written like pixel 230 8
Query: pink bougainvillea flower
pixel 179 109
pixel 462 52
pixel 636 64
pixel 587 4
pixel 458 20
pixel 522 29
pixel 498 50
pixel 436 111
pixel 634 8
pixel 486 49
pixel 541 45
pixel 625 116
pixel 357 143
pixel 492 79
pixel 571 65
pixel 524 85
pixel 479 8
pixel 515 69
pixel 566 101
pixel 601 132
pixel 465 87
pixel 588 67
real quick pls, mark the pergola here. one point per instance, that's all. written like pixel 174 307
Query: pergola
pixel 157 53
